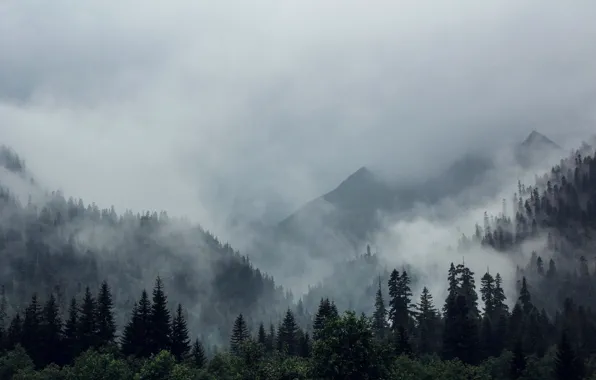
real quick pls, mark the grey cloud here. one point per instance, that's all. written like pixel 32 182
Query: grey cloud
pixel 186 105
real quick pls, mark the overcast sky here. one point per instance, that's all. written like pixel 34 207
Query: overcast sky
pixel 187 105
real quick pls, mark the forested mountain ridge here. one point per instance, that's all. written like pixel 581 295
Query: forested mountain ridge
pixel 337 225
pixel 51 244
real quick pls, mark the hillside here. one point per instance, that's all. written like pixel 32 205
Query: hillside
pixel 51 244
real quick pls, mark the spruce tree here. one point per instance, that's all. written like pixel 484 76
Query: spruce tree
pixel 402 343
pixel 262 335
pixel 325 312
pixel 87 326
pixel 3 317
pixel 135 339
pixel 15 332
pixel 287 334
pixel 380 325
pixel 71 333
pixel 159 327
pixel 518 362
pixel 427 323
pixel 487 290
pixel 180 340
pixel 304 348
pixel 271 339
pixel 394 304
pixel 239 334
pixel 106 324
pixel 51 334
pixel 31 330
pixel 524 298
pixel 468 289
pixel 198 355
pixel 567 364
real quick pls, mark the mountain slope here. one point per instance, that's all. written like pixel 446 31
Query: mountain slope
pixel 339 223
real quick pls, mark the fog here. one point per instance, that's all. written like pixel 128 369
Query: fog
pixel 229 109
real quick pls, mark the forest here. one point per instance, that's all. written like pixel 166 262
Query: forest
pixel 66 309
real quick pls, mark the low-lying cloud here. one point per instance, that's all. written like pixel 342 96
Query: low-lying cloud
pixel 219 109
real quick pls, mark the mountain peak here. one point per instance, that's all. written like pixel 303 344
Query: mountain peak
pixel 537 139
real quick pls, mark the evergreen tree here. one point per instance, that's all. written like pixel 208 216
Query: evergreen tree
pixel 51 334
pixel 427 323
pixel 394 304
pixel 262 335
pixel 198 355
pixel 402 342
pixel 288 334
pixel 71 333
pixel 380 315
pixel 326 311
pixel 524 297
pixel 567 364
pixel 160 319
pixel 239 334
pixel 3 317
pixel 87 327
pixel 180 341
pixel 14 334
pixel 499 296
pixel 304 345
pixel 468 289
pixel 271 339
pixel 135 339
pixel 518 362
pixel 31 330
pixel 487 290
pixel 106 325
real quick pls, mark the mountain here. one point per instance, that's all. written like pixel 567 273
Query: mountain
pixel 339 223
pixel 53 245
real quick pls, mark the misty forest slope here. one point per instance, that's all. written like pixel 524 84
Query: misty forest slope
pixel 339 224
pixel 57 245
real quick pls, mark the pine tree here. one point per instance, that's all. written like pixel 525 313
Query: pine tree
pixel 198 355
pixel 3 316
pixel 271 339
pixel 239 334
pixel 180 340
pixel 524 297
pixel 159 327
pixel 51 334
pixel 499 296
pixel 326 311
pixel 487 290
pixel 135 339
pixel 262 335
pixel 380 325
pixel 14 334
pixel 402 342
pixel 87 327
pixel 518 362
pixel 31 330
pixel 106 324
pixel 468 289
pixel 427 323
pixel 394 304
pixel 567 365
pixel 71 334
pixel 287 335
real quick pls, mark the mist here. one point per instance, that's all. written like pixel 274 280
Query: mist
pixel 228 111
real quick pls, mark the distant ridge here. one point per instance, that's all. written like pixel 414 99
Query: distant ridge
pixel 537 139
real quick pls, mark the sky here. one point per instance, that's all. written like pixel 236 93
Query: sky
pixel 214 108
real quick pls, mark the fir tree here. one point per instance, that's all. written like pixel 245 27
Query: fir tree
pixel 15 332
pixel 325 312
pixel 239 334
pixel 106 325
pixel 271 339
pixel 487 290
pixel 51 334
pixel 304 344
pixel 135 339
pixel 71 334
pixel 394 304
pixel 31 330
pixel 198 355
pixel 287 334
pixel 567 365
pixel 518 362
pixel 380 315
pixel 427 323
pixel 180 340
pixel 87 327
pixel 524 297
pixel 262 335
pixel 402 342
pixel 3 316
pixel 159 327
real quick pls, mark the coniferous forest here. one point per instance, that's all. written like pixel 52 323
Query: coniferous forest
pixel 66 310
